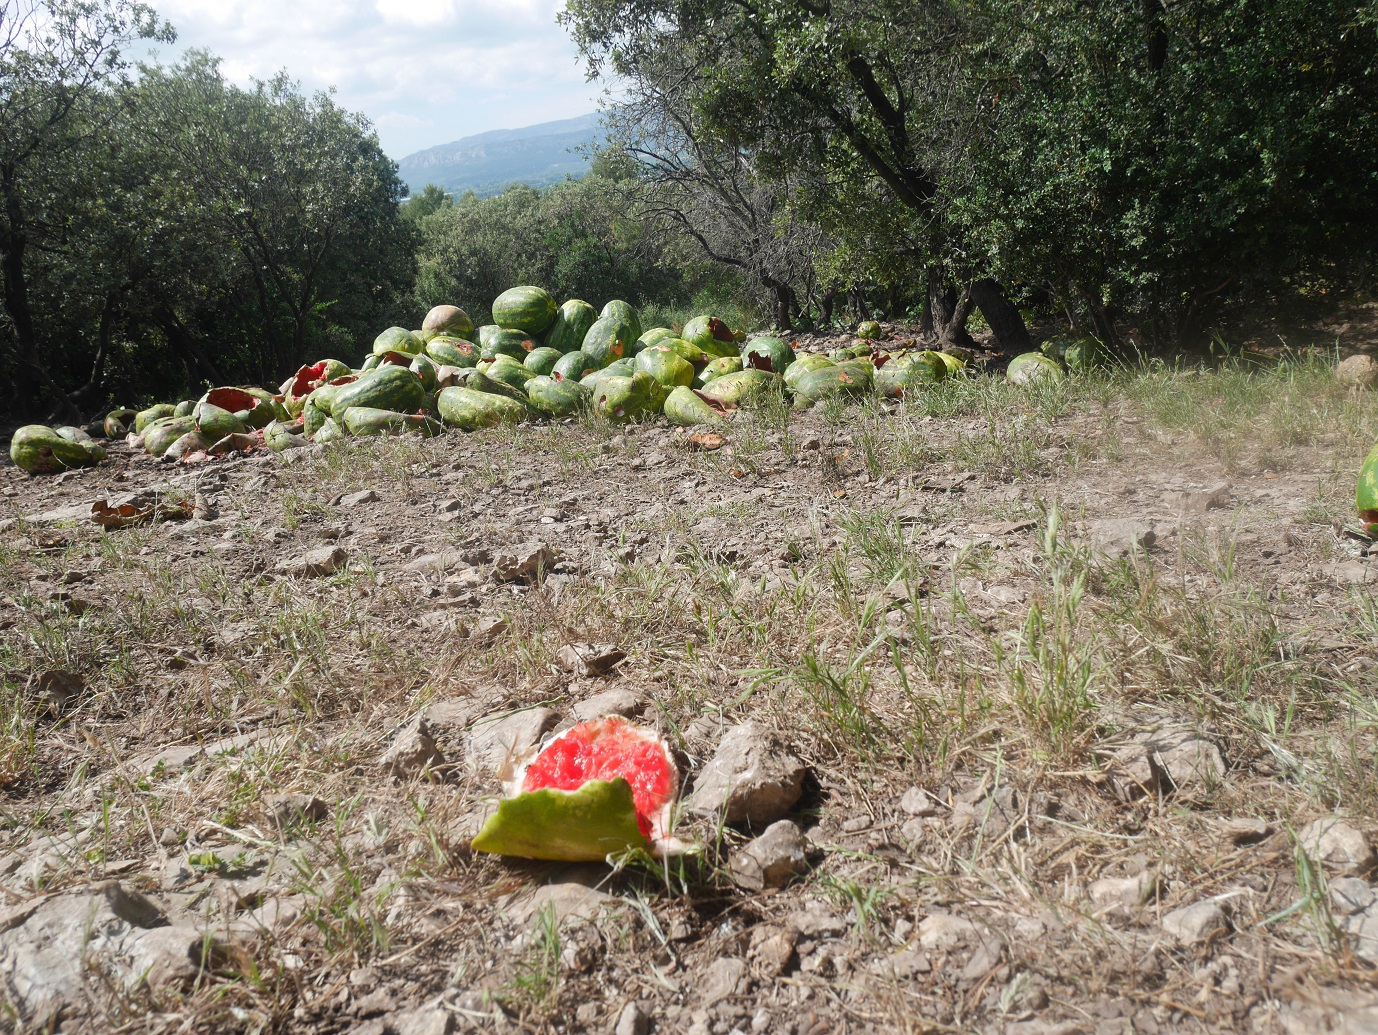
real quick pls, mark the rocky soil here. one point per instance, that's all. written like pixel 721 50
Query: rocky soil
pixel 1020 711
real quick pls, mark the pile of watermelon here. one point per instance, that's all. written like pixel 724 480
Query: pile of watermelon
pixel 537 360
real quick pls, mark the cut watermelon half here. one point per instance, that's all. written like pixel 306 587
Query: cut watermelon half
pixel 595 789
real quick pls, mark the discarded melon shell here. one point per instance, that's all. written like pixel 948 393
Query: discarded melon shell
pixel 1028 367
pixel 686 408
pixel 1366 491
pixel 587 825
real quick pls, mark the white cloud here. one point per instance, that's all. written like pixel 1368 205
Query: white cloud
pixel 424 71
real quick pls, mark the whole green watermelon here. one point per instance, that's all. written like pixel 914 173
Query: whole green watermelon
pixel 556 397
pixel 446 321
pixel 452 352
pixel 397 339
pixel 542 360
pixel 470 410
pixel 573 365
pixel 768 353
pixel 625 314
pixel 529 309
pixel 389 387
pixel 571 323
pixel 608 340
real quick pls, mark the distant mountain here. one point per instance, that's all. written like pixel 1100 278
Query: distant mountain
pixel 489 162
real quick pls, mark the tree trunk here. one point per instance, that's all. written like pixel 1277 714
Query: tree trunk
pixel 33 380
pixel 88 392
pixel 945 313
pixel 1002 316
pixel 186 345
pixel 825 307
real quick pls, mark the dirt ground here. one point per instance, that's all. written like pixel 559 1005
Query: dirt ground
pixel 1080 679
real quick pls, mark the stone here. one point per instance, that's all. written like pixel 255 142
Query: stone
pixel 1213 497
pixel 1360 371
pixel 1194 924
pixel 772 860
pixel 488 629
pixel 522 562
pixel 1349 895
pixel 1362 927
pixel 1124 896
pixel 1245 830
pixel 589 659
pixel 772 949
pixel 57 690
pixel 902 965
pixel 1193 765
pixel 617 701
pixel 945 932
pixel 413 750
pixel 292 810
pixel 817 921
pixel 497 741
pixel 48 946
pixel 425 1020
pixel 633 1020
pixel 725 976
pixel 1337 845
pixel 567 900
pixel 1120 537
pixel 315 563
pixel 916 802
pixel 358 499
pixel 751 779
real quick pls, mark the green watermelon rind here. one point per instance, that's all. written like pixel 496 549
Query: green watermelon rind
pixel 586 825
pixel 526 308
pixel 388 387
pixel 1366 489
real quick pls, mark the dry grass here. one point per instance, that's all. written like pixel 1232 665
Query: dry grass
pixel 806 578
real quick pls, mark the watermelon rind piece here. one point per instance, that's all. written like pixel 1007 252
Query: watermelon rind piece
pixel 1366 490
pixel 1028 367
pixel 586 825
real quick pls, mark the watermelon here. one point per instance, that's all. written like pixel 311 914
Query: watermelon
pixel 529 309
pixel 687 408
pixel 1366 492
pixel 446 321
pixel 572 322
pixel 716 369
pixel 470 410
pixel 654 336
pixel 184 408
pixel 710 334
pixel 330 431
pixel 868 330
pixel 573 365
pixel 834 379
pixel 281 437
pixel 452 352
pixel 542 360
pixel 768 353
pixel 665 366
pixel 508 342
pixel 510 372
pixel 695 355
pixel 398 339
pixel 735 389
pixel 608 340
pixel 191 442
pixel 622 399
pixel 81 438
pixel 215 422
pixel 367 420
pixel 595 790
pixel 307 379
pixel 41 450
pixel 899 373
pixel 557 396
pixel 622 313
pixel 802 365
pixel 1028 367
pixel 389 387
pixel 165 431
pixel 424 367
pixel 118 422
pixel 144 418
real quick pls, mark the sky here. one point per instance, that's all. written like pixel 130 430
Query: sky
pixel 424 72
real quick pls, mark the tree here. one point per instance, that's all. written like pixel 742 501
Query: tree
pixel 851 90
pixel 419 206
pixel 55 56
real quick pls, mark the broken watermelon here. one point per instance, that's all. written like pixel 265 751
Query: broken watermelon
pixel 594 790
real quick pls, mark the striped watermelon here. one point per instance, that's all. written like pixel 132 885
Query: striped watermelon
pixel 529 309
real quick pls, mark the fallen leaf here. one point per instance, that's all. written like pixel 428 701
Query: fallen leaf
pixel 706 441
pixel 128 514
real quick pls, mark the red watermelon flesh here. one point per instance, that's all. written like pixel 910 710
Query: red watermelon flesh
pixel 604 749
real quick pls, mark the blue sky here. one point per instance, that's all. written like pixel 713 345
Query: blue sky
pixel 425 72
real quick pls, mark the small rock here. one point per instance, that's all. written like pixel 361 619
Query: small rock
pixel 1360 371
pixel 916 802
pixel 58 689
pixel 724 977
pixel 171 958
pixel 772 949
pixel 358 499
pixel 633 1020
pixel 522 562
pixel 1243 830
pixel 751 778
pixel 815 921
pixel 422 1021
pixel 1349 895
pixel 589 659
pixel 1193 765
pixel 1120 537
pixel 497 740
pixel 902 965
pixel 1214 497
pixel 1337 845
pixel 1193 924
pixel 617 701
pixel 912 832
pixel 569 900
pixel 412 752
pixel 1121 895
pixel 772 860
pixel 945 932
pixel 1363 928
pixel 293 810
pixel 488 629
pixel 316 563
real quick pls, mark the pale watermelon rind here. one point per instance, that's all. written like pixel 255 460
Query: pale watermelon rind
pixel 587 825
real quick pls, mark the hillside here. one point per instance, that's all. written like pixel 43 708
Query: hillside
pixel 488 162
